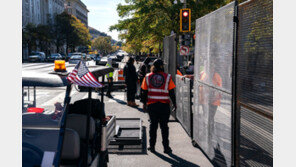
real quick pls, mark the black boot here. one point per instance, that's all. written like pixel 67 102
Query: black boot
pixel 168 150
pixel 151 149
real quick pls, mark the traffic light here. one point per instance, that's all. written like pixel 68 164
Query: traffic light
pixel 185 20
pixel 186 39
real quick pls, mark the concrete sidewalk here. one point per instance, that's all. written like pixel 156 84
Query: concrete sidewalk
pixel 184 154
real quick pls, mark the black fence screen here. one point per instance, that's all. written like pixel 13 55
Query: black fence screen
pixel 183 98
pixel 212 112
pixel 255 83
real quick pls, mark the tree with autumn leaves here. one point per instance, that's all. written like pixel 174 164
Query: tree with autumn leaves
pixel 145 23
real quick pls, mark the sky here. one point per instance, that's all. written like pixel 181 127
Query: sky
pixel 102 14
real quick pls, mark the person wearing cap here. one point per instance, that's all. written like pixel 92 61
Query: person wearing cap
pixel 109 77
pixel 158 88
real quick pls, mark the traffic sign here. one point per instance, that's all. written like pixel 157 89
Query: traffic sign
pixel 184 50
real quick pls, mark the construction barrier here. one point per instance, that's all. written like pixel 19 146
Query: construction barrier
pixel 120 75
pixel 255 84
pixel 184 103
pixel 213 95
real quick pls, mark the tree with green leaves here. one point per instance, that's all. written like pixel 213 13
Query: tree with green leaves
pixel 144 23
pixel 29 37
pixel 44 37
pixel 102 44
pixel 70 30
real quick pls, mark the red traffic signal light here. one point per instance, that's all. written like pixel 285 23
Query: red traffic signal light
pixel 185 20
pixel 185 14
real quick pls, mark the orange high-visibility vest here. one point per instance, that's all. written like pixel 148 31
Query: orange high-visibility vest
pixel 217 81
pixel 158 87
pixel 179 73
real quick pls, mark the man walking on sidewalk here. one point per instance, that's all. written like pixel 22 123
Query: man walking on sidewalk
pixel 158 87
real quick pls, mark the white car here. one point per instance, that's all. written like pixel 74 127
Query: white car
pixel 75 59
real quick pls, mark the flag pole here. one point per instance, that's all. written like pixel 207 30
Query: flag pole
pixel 87 125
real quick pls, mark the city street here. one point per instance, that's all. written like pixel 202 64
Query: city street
pixel 184 154
pixel 92 70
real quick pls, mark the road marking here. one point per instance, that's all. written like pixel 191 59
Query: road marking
pixel 58 98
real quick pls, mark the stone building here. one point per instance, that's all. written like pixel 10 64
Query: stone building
pixel 78 9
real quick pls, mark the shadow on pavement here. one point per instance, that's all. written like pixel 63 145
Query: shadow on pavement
pixel 119 101
pixel 219 159
pixel 176 161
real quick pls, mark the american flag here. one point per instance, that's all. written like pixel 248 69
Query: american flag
pixel 82 77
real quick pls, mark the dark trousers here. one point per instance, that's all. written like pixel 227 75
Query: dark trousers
pixel 110 85
pixel 159 113
pixel 131 92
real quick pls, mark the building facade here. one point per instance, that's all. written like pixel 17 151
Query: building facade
pixel 77 9
pixel 31 12
pixel 40 12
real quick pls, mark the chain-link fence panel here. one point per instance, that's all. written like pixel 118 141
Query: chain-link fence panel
pixel 255 83
pixel 183 99
pixel 212 111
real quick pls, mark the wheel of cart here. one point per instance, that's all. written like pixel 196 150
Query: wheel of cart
pixel 74 134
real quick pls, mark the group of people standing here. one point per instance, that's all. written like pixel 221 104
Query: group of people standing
pixel 157 88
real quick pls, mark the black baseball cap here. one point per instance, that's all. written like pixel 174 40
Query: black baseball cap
pixel 158 63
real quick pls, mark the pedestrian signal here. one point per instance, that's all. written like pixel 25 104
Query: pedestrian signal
pixel 185 20
pixel 186 38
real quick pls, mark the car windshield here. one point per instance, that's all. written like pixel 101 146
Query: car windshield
pixel 76 57
pixel 34 53
pixel 55 55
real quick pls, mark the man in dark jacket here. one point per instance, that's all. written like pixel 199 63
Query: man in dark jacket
pixel 131 78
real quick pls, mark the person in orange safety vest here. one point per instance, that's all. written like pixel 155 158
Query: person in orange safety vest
pixel 210 98
pixel 158 89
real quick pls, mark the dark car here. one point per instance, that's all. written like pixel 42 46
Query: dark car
pixel 63 56
pixel 97 59
pixel 55 56
pixel 37 57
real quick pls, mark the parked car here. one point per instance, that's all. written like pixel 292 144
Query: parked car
pixel 75 59
pixel 103 61
pixel 63 56
pixel 72 54
pixel 37 57
pixel 93 56
pixel 97 59
pixel 54 56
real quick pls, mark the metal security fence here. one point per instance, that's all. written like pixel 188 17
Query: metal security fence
pixel 184 100
pixel 169 55
pixel 169 58
pixel 255 83
pixel 212 109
